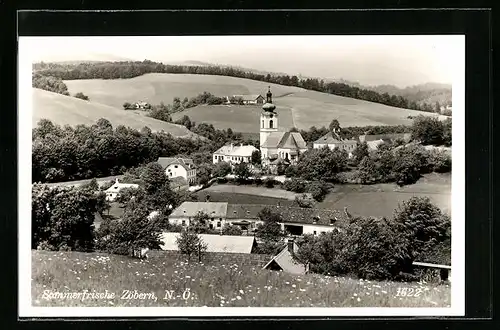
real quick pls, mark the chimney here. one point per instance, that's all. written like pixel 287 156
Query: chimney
pixel 290 245
pixel 116 181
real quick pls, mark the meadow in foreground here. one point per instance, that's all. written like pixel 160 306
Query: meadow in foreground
pixel 214 285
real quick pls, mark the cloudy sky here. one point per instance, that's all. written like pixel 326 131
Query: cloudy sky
pixel 369 60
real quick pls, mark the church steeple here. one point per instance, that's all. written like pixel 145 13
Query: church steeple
pixel 269 95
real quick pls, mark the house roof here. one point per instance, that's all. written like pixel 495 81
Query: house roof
pixel 289 214
pixel 285 140
pixel 236 150
pixel 167 161
pixel 285 261
pixel 215 243
pixel 404 136
pixel 249 97
pixel 190 209
pixel 333 138
pixel 117 186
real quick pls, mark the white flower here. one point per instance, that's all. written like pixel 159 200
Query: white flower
pixel 238 297
pixel 359 299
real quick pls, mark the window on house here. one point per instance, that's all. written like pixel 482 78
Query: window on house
pixel 218 224
pixel 262 124
pixel 211 226
pixel 270 124
pixel 183 222
pixel 176 166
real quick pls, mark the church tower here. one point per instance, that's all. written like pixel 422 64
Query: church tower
pixel 268 118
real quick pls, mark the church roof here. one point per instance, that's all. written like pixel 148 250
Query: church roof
pixel 286 140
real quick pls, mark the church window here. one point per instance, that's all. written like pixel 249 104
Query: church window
pixel 262 124
pixel 270 124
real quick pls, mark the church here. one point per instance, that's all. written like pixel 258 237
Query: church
pixel 277 147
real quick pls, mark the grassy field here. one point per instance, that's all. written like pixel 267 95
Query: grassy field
pixel 242 198
pixel 163 87
pixel 251 190
pixel 297 107
pixel 66 110
pixel 381 199
pixel 213 285
pixel 244 118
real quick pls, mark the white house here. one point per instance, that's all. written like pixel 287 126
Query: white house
pixel 175 167
pixel 248 99
pixel 113 191
pixel 276 145
pixel 234 154
pixel 333 140
pixel 297 221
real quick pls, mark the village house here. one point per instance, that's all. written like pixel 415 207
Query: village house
pixel 277 147
pixel 175 167
pixel 234 154
pixel 297 221
pixel 333 140
pixel 114 191
pixel 141 105
pixel 373 141
pixel 215 243
pixel 248 99
pixel 185 213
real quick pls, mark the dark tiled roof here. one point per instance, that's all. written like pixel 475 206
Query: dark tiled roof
pixel 285 140
pixel 289 214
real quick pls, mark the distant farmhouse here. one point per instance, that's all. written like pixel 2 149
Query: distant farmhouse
pixel 373 141
pixel 234 154
pixel 333 140
pixel 215 243
pixel 277 147
pixel 284 261
pixel 114 191
pixel 247 99
pixel 179 167
pixel 141 105
pixel 297 221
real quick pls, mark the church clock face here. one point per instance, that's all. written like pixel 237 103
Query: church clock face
pixel 272 116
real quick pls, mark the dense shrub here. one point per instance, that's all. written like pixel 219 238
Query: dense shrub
pixel 430 130
pixel 232 230
pixel 303 200
pixel 318 189
pixel 295 185
pixel 269 182
pixel 322 163
pixel 82 96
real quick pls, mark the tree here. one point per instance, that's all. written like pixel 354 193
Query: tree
pixel 190 243
pixel 199 223
pixel 92 185
pixel 318 189
pixel 437 107
pixel 303 200
pixel 232 230
pixel 127 106
pixel 256 157
pixel 422 223
pixel 367 170
pixel 242 171
pixel 322 163
pixel 62 218
pixel 153 177
pixel 361 151
pixel 131 233
pixel 204 173
pixel 82 96
pixel 222 169
pixel 428 130
pixel 295 185
pixel 270 230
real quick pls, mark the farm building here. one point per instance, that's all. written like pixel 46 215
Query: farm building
pixel 284 261
pixel 296 220
pixel 274 144
pixel 248 99
pixel 215 243
pixel 113 191
pixel 183 214
pixel 333 140
pixel 175 167
pixel 234 154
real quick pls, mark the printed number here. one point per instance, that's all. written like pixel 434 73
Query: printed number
pixel 408 292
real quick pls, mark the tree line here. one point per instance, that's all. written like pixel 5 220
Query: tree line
pixel 129 69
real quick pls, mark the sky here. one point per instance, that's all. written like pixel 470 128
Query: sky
pixel 370 60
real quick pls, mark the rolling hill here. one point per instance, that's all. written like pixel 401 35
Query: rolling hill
pixel 66 110
pixel 297 107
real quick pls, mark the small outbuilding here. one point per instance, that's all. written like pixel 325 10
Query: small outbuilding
pixel 285 262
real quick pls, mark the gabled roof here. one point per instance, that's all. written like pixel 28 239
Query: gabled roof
pixel 284 260
pixel 117 186
pixel 285 140
pixel 248 97
pixel 190 209
pixel 185 162
pixel 333 138
pixel 215 243
pixel 236 150
pixel 289 214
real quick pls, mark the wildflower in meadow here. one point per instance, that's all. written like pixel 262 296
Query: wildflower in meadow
pixel 359 299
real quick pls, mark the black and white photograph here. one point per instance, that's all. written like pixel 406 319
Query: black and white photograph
pixel 236 175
